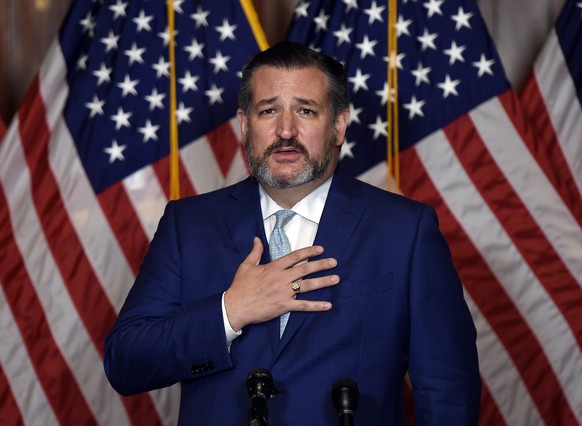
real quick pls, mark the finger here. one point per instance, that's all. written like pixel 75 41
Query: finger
pixel 310 306
pixel 314 266
pixel 299 255
pixel 256 252
pixel 317 283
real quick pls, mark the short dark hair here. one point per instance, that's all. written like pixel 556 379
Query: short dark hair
pixel 290 55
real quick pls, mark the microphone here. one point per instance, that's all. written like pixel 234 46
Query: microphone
pixel 260 388
pixel 345 396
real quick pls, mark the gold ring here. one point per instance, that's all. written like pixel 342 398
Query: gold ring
pixel 296 286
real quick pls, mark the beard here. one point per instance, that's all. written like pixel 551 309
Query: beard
pixel 314 168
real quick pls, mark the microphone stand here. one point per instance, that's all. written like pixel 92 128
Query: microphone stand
pixel 345 396
pixel 260 388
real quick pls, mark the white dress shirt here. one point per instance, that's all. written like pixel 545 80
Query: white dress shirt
pixel 300 230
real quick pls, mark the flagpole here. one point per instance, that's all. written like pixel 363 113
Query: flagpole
pixel 174 146
pixel 392 102
pixel 253 19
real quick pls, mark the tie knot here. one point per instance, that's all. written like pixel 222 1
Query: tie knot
pixel 283 217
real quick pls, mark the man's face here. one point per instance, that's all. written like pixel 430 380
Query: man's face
pixel 289 135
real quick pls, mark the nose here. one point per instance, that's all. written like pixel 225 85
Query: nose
pixel 287 128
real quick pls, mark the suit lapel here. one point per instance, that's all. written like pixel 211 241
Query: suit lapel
pixel 341 216
pixel 244 221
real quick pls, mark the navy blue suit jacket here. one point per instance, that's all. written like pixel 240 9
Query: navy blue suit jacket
pixel 399 307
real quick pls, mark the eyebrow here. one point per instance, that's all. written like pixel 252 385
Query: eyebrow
pixel 307 102
pixel 272 100
pixel 266 101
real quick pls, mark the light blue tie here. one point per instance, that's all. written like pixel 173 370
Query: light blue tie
pixel 279 246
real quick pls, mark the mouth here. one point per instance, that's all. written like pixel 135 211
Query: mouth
pixel 286 154
pixel 286 150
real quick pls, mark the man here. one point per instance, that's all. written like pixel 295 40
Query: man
pixel 370 286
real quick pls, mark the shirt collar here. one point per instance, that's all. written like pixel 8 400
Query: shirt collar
pixel 310 207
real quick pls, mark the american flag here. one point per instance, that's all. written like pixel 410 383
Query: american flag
pixel 84 177
pixel 508 201
pixel 552 98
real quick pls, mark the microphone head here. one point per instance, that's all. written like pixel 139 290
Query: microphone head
pixel 345 395
pixel 259 383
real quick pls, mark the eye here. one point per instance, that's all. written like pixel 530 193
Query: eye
pixel 267 111
pixel 306 111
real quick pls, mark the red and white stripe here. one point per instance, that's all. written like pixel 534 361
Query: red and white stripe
pixel 68 258
pixel 517 248
pixel 506 181
pixel 508 199
pixel 549 98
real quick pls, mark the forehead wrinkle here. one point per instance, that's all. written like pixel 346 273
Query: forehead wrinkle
pixel 304 101
pixel 301 101
pixel 267 101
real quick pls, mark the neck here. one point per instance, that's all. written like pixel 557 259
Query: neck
pixel 288 197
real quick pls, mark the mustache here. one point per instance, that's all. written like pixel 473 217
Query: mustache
pixel 286 143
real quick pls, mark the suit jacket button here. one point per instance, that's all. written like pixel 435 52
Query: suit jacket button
pixel 201 368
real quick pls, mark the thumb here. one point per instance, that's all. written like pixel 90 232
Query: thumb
pixel 256 252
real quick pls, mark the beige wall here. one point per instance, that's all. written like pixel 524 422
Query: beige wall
pixel 27 27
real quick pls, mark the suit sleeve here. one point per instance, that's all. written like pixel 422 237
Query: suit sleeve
pixel 443 363
pixel 156 341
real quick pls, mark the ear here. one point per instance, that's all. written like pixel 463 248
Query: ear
pixel 242 119
pixel 341 124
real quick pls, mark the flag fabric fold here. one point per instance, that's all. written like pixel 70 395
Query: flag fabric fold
pixel 84 177
pixel 507 201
